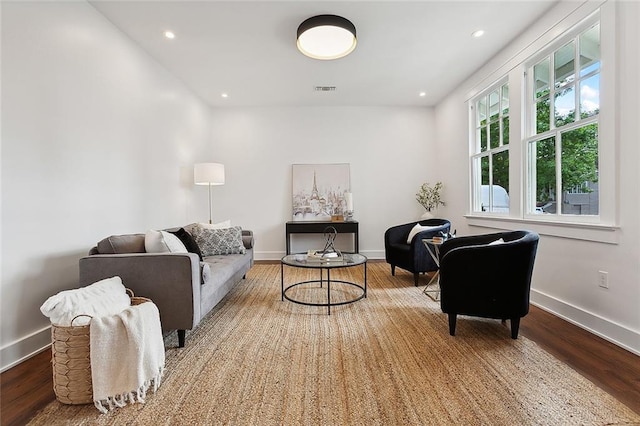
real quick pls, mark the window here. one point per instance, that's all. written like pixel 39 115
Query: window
pixel 549 150
pixel 563 106
pixel 490 151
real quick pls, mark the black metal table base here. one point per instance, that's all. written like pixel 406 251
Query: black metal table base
pixel 322 281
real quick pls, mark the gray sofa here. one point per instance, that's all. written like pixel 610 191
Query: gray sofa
pixel 184 288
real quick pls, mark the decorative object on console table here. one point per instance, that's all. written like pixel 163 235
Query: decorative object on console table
pixel 430 198
pixel 348 199
pixel 209 174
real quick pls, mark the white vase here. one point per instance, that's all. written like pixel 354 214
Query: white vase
pixel 426 215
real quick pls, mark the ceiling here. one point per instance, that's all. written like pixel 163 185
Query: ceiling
pixel 247 49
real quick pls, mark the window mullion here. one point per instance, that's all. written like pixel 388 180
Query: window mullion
pixel 558 143
pixel 552 92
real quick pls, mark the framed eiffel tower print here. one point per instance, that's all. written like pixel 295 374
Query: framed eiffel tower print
pixel 319 190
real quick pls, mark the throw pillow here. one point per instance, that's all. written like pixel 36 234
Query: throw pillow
pixel 188 241
pixel 220 241
pixel 496 242
pixel 162 242
pixel 118 244
pixel 418 229
pixel 219 225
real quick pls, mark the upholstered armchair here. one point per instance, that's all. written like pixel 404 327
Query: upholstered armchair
pixel 412 255
pixel 488 276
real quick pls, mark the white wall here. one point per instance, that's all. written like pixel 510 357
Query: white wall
pixel 390 151
pixel 97 139
pixel 566 272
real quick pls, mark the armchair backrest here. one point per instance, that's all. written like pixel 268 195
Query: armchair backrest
pixel 492 281
pixel 398 234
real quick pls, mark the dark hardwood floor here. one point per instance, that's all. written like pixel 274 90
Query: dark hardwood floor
pixel 28 387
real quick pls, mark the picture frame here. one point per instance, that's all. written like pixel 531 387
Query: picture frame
pixel 318 191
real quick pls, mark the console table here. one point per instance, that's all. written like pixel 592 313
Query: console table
pixel 318 227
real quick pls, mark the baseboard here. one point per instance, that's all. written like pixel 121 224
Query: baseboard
pixel 602 327
pixel 20 350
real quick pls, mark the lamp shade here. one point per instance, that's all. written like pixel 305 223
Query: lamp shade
pixel 326 37
pixel 208 174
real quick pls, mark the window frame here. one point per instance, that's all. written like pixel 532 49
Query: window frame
pixel 551 35
pixel 530 134
pixel 475 148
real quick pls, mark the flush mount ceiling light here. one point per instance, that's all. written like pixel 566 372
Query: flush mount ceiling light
pixel 326 37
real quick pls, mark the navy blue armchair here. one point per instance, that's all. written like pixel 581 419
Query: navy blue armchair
pixel 412 256
pixel 490 281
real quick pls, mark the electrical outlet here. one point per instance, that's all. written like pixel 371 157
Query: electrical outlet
pixel 603 279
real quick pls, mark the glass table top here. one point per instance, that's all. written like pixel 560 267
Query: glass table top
pixel 303 260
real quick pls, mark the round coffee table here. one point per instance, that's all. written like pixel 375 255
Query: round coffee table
pixel 301 261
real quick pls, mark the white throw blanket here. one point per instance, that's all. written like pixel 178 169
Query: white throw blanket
pixel 105 297
pixel 127 356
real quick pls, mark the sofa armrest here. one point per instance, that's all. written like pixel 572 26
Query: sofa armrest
pixel 247 238
pixel 170 280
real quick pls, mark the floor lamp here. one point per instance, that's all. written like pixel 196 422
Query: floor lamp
pixel 209 174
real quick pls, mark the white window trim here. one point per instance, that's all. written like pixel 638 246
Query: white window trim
pixel 475 146
pixel 554 132
pixel 606 230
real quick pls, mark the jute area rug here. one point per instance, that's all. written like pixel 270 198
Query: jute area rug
pixel 384 360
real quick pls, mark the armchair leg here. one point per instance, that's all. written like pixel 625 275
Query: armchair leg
pixel 416 276
pixel 515 325
pixel 452 324
pixel 181 335
pixel 393 270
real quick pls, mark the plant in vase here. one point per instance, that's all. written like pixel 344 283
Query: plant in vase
pixel 430 198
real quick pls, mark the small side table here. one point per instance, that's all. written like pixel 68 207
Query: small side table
pixel 433 286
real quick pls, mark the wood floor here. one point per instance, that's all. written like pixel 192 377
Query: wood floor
pixel 28 387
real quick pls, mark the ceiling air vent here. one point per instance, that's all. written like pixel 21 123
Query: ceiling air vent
pixel 325 88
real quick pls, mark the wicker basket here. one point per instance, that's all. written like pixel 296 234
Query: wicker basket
pixel 71 361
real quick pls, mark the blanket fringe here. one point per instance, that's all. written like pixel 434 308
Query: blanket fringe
pixel 136 395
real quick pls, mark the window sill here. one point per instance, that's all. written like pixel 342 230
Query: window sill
pixel 607 234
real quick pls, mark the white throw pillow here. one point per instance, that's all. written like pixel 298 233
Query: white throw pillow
pixel 496 242
pixel 163 242
pixel 417 229
pixel 219 225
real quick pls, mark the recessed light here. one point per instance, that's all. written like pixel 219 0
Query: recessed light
pixel 422 94
pixel 224 95
pixel 170 35
pixel 478 33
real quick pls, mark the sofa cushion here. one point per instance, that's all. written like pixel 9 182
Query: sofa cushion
pixel 219 241
pixel 120 244
pixel 188 241
pixel 163 242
